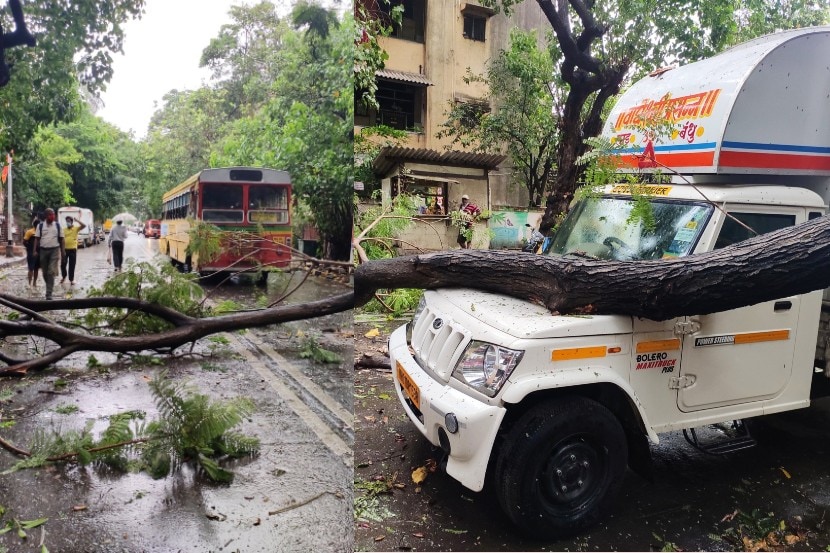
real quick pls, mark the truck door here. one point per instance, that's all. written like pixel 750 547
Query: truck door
pixel 742 355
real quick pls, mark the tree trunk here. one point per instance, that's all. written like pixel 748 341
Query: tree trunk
pixel 789 261
pixel 185 329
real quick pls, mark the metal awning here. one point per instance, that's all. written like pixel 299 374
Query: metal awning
pixel 403 76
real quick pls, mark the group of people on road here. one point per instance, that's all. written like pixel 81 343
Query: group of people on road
pixel 50 245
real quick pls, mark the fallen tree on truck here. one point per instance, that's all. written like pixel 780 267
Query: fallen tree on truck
pixel 786 262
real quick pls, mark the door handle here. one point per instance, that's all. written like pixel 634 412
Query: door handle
pixel 783 306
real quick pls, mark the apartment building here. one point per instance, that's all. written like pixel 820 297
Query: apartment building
pixel 430 53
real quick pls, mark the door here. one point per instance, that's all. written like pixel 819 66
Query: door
pixel 746 354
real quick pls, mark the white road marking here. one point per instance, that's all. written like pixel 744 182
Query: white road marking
pixel 330 438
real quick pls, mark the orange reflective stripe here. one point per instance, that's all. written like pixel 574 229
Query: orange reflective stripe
pixel 578 353
pixel 658 345
pixel 766 336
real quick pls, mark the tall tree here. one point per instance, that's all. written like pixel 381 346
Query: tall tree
pixel 44 179
pixel 75 43
pixel 306 128
pixel 244 57
pixel 520 119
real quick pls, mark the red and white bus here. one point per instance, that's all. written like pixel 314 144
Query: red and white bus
pixel 250 205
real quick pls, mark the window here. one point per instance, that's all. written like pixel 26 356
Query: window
pixel 400 105
pixel 430 196
pixel 474 26
pixel 411 26
pixel 733 232
pixel 604 228
pixel 176 208
pixel 268 205
pixel 222 203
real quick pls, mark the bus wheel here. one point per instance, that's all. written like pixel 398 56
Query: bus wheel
pixel 560 467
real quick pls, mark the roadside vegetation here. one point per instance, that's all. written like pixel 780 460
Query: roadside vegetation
pixel 280 96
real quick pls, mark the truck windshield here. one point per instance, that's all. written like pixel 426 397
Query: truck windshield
pixel 607 228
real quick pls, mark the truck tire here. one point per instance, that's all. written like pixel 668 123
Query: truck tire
pixel 560 467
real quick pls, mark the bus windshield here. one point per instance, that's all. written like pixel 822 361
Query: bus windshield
pixel 607 228
pixel 268 204
pixel 222 203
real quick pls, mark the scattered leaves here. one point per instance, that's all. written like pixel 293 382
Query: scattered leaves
pixel 419 475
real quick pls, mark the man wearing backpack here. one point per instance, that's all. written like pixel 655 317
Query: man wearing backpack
pixel 49 247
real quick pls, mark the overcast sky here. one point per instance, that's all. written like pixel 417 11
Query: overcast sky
pixel 161 52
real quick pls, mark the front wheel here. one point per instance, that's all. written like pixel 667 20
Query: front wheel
pixel 560 467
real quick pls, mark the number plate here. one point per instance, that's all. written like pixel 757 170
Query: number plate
pixel 409 386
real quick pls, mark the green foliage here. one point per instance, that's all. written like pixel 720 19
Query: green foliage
pixel 163 285
pixel 226 306
pixel 75 43
pixel 379 240
pixel 369 57
pixel 66 409
pixel 205 241
pixel 396 302
pixel 311 349
pixel 515 114
pixel 190 427
pixel 367 144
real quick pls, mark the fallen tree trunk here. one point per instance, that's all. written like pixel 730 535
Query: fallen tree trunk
pixel 185 329
pixel 778 264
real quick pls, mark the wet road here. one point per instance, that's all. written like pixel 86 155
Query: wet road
pixel 296 495
pixel 694 502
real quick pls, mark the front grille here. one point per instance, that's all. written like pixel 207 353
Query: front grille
pixel 438 349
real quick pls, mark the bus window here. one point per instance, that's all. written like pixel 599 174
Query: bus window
pixel 267 205
pixel 222 203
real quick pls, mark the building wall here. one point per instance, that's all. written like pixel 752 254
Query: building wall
pixel 444 59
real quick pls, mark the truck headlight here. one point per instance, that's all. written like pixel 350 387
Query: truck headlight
pixel 486 367
pixel 411 324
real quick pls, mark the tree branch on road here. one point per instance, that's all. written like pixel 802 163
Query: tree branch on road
pixel 185 329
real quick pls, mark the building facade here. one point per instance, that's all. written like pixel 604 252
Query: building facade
pixel 436 45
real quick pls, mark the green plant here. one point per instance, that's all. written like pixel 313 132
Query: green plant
pixel 66 409
pixel 145 281
pixel 397 302
pixel 190 428
pixel 311 349
pixel 205 241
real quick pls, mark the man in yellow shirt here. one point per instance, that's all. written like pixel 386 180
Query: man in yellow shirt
pixel 70 233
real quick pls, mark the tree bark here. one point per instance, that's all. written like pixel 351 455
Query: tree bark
pixel 586 77
pixel 186 329
pixel 786 262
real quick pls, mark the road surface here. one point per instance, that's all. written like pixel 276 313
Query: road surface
pixel 296 495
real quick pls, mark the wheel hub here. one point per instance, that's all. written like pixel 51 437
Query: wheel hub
pixel 571 472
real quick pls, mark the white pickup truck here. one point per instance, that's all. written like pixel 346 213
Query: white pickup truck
pixel 555 408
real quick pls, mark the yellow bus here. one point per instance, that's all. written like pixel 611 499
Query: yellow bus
pixel 252 204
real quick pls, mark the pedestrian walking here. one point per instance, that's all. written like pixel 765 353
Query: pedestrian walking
pixel 116 242
pixel 31 256
pixel 68 262
pixel 49 247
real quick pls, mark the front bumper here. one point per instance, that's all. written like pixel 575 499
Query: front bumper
pixel 478 422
